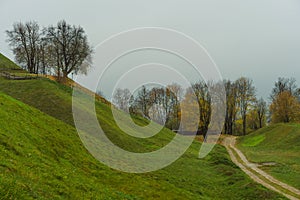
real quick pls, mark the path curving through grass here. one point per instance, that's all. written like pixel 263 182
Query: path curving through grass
pixel 258 175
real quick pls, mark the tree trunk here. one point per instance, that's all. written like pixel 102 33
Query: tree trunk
pixel 260 122
pixel 230 126
pixel 65 77
pixel 204 132
pixel 244 124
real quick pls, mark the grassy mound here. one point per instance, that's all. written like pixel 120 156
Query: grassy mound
pixel 43 157
pixel 6 63
pixel 278 144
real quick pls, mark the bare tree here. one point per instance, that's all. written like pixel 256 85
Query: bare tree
pixel 24 40
pixel 261 109
pixel 231 106
pixel 176 96
pixel 143 101
pixel 43 57
pixel 70 48
pixel 168 100
pixel 121 99
pixel 246 96
pixel 285 84
pixel 201 92
pixel 157 111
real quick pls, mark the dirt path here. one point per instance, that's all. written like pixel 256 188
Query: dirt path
pixel 13 77
pixel 258 175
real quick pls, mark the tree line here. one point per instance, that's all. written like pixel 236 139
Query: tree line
pixel 60 49
pixel 244 112
pixel 63 49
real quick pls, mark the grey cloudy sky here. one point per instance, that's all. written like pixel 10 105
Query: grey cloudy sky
pixel 259 39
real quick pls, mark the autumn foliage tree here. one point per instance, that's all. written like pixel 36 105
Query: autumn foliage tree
pixel 252 120
pixel 285 108
pixel 203 99
pixel 246 96
pixel 285 84
pixel 285 101
pixel 242 111
pixel 231 106
pixel 177 95
pixel 191 109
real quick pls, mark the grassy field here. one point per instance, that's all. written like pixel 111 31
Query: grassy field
pixel 42 156
pixel 278 144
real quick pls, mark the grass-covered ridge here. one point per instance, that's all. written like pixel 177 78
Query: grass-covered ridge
pixel 41 155
pixel 278 144
pixel 6 63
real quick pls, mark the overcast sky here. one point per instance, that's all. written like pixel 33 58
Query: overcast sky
pixel 259 39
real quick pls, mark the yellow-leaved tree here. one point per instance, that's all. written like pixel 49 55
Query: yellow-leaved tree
pixel 285 108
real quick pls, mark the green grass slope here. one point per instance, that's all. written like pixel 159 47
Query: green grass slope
pixel 279 143
pixel 45 95
pixel 42 157
pixel 6 63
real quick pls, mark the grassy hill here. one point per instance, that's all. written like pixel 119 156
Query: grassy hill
pixel 41 155
pixel 278 144
pixel 6 63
